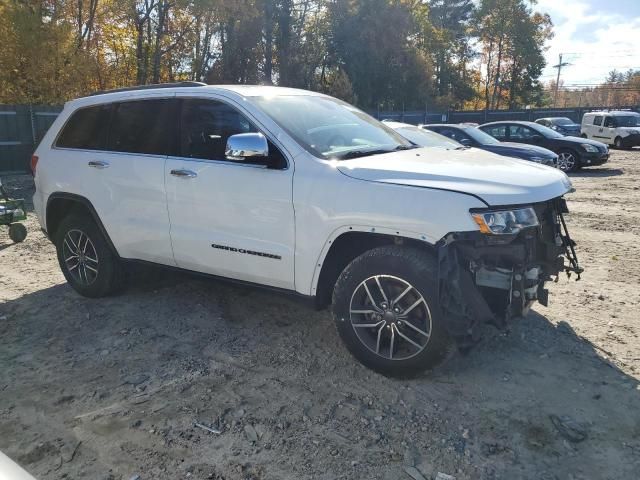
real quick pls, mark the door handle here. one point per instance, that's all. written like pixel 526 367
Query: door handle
pixel 184 173
pixel 98 164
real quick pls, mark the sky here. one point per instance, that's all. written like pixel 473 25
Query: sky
pixel 595 36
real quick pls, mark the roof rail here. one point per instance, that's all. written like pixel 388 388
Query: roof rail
pixel 151 87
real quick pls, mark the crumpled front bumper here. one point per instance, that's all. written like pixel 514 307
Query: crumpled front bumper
pixel 493 279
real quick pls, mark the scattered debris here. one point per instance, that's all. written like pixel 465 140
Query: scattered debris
pixel 569 428
pixel 251 433
pixel 208 429
pixel 135 379
pixel 414 473
pixel 444 476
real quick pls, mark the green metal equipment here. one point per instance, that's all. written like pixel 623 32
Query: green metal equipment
pixel 11 213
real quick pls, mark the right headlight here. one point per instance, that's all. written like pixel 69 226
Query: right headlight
pixel 505 222
pixel 589 148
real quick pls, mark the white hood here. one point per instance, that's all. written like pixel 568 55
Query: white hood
pixel 497 180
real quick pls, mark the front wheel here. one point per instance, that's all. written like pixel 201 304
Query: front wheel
pixel 385 305
pixel 85 257
pixel 568 161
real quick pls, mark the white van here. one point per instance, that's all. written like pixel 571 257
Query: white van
pixel 621 128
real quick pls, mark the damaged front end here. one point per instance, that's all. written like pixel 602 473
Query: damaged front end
pixel 497 273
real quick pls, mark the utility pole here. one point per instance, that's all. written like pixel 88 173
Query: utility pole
pixel 559 67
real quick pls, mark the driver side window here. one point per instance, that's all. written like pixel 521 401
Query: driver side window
pixel 206 125
pixel 521 132
pixel 609 122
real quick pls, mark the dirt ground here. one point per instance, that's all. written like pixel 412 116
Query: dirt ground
pixel 111 388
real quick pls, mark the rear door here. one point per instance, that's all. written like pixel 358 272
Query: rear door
pixel 229 218
pixel 120 170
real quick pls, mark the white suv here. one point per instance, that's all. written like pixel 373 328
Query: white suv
pixel 618 128
pixel 294 190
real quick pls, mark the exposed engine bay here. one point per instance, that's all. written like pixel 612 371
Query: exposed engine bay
pixel 496 278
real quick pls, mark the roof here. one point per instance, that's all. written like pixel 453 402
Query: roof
pixel 613 112
pixel 454 125
pixel 515 122
pixel 242 91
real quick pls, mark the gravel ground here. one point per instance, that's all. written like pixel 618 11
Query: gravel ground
pixel 111 388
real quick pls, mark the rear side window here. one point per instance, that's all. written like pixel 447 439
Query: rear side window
pixel 86 129
pixel 597 120
pixel 143 126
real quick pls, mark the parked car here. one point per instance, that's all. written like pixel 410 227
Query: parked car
pixel 563 125
pixel 296 191
pixel 573 152
pixel 621 129
pixel 421 137
pixel 473 137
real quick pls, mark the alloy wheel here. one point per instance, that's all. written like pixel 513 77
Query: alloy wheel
pixel 390 317
pixel 80 257
pixel 566 161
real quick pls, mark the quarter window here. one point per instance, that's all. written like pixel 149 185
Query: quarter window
pixel 144 126
pixel 86 129
pixel 597 120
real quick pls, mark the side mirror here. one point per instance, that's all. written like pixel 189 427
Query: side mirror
pixel 246 145
pixel 465 141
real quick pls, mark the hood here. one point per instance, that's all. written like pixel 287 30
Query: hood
pixel 532 150
pixel 569 127
pixel 495 179
pixel 588 141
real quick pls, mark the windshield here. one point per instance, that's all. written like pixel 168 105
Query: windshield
pixel 329 128
pixel 426 138
pixel 563 121
pixel 546 131
pixel 628 121
pixel 481 137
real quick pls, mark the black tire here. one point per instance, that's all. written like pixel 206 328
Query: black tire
pixel 392 265
pixel 109 276
pixel 17 232
pixel 618 143
pixel 574 166
pixel 584 135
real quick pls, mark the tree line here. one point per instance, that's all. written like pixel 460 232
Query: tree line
pixel 433 54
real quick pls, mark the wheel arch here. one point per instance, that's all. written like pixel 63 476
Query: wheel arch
pixel 347 243
pixel 61 204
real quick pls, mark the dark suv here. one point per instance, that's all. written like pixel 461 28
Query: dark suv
pixel 573 152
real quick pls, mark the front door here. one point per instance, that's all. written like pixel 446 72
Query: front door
pixel 229 218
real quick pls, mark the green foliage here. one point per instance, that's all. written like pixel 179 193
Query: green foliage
pixel 376 53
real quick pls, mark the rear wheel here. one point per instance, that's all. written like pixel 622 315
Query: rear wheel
pixel 568 161
pixel 385 305
pixel 618 143
pixel 85 258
